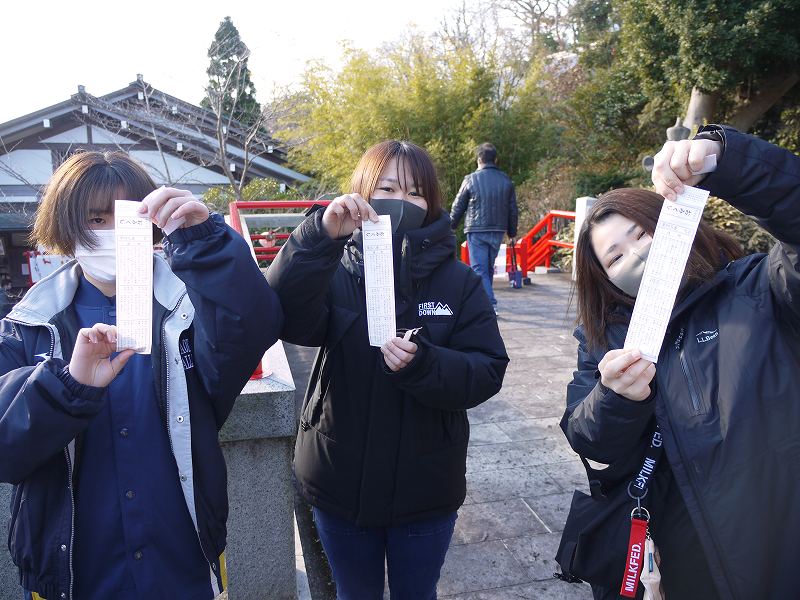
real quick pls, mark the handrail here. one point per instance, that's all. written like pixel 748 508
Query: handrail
pixel 261 252
pixel 236 217
pixel 533 251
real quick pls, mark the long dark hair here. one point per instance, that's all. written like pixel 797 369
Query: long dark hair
pixel 407 156
pixel 598 298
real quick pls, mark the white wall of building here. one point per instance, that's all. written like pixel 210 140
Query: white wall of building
pixel 73 136
pixel 103 136
pixel 180 171
pixel 34 166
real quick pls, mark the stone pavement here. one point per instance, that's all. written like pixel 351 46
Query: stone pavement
pixel 520 470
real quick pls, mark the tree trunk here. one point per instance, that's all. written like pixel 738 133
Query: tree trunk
pixel 702 107
pixel 769 92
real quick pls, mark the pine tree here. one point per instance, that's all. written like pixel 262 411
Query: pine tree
pixel 230 90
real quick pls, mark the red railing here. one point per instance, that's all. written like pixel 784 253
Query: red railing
pixel 267 252
pixel 261 252
pixel 536 248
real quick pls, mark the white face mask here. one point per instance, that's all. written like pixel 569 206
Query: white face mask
pixel 99 263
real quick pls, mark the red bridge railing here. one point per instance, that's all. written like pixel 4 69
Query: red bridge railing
pixel 267 253
pixel 536 248
pixel 260 252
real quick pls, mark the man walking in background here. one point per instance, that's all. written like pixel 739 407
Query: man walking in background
pixel 488 198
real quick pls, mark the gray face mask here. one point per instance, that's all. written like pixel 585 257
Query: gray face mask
pixel 405 215
pixel 630 273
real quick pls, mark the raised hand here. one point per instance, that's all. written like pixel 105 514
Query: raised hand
pixel 170 208
pixel 627 373
pixel 674 163
pixel 344 214
pixel 90 364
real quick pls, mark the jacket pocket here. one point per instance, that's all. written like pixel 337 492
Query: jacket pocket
pixel 341 319
pixel 19 532
pixel 440 429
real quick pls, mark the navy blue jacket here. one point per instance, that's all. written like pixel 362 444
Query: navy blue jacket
pixel 488 199
pixel 43 410
pixel 727 389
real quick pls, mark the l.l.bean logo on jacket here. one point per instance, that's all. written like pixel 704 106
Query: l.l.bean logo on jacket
pixel 438 309
pixel 706 336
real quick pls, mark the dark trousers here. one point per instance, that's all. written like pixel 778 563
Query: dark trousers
pixel 413 553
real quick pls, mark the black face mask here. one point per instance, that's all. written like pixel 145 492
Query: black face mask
pixel 405 215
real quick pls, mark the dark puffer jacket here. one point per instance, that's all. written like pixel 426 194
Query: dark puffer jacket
pixel 727 389
pixel 44 412
pixel 376 447
pixel 488 198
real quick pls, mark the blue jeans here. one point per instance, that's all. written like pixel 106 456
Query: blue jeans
pixel 414 554
pixel 483 249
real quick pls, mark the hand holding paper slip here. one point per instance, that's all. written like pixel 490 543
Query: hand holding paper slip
pixel 134 250
pixel 379 280
pixel 663 273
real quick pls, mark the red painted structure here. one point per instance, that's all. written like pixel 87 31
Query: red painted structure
pixel 536 248
pixel 261 252
pixel 268 253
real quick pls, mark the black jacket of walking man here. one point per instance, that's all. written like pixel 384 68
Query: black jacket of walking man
pixel 488 199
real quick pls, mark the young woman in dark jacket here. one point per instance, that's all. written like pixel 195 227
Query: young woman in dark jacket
pixel 381 450
pixel 725 389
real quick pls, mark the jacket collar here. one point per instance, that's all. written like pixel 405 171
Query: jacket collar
pixel 421 250
pixel 487 166
pixel 54 293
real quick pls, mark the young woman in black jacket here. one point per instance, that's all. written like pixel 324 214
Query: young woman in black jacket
pixel 725 389
pixel 381 449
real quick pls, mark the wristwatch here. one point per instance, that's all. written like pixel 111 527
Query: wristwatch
pixel 714 133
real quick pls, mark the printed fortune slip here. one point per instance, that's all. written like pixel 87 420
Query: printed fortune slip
pixel 663 273
pixel 134 240
pixel 379 280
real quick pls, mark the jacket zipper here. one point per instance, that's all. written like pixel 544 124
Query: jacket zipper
pixel 689 467
pixel 72 520
pixel 688 374
pixel 166 393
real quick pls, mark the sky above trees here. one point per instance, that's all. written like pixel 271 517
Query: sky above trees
pixel 50 48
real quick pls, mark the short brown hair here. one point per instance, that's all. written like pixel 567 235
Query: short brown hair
pixel 598 298
pixel 86 183
pixel 408 155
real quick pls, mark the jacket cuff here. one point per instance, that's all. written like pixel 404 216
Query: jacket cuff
pixel 625 406
pixel 313 234
pixel 411 368
pixel 723 182
pixel 79 390
pixel 195 232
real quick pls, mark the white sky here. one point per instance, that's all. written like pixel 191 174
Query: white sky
pixel 49 47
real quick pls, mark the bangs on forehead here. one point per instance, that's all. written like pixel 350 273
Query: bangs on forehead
pixel 101 200
pixel 407 163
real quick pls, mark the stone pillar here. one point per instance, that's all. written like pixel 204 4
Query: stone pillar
pixel 257 441
pixel 582 206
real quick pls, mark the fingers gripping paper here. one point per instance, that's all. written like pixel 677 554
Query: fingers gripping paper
pixel 379 280
pixel 672 241
pixel 134 239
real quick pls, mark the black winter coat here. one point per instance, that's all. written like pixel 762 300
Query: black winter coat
pixel 375 447
pixel 727 389
pixel 488 198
